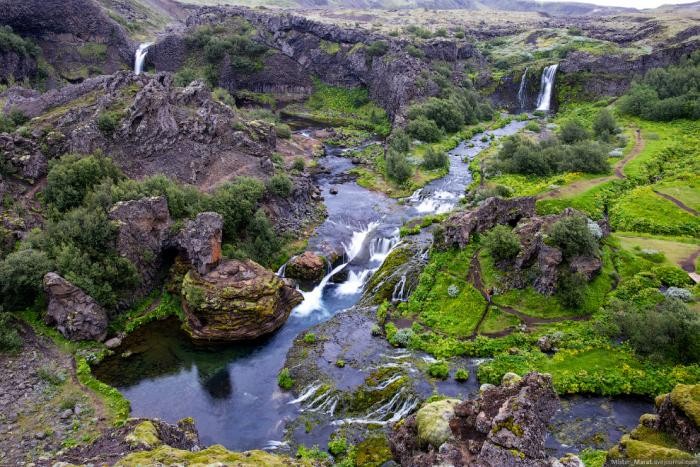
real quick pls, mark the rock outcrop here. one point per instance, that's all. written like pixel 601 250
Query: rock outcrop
pixel 74 313
pixel 22 157
pixel 459 227
pixel 143 234
pixel 200 241
pixel 673 433
pixel 503 426
pixel 307 266
pixel 238 300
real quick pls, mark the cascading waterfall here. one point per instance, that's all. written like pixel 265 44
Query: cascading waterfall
pixel 547 84
pixel 522 105
pixel 140 57
pixel 354 282
pixel 380 247
pixel 399 290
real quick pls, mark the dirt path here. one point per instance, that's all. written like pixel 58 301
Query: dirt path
pixel 688 264
pixel 474 276
pixel 677 202
pixel 585 185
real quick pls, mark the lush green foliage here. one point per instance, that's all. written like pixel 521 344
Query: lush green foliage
pixel 439 370
pixel 572 131
pixel 21 275
pixel 11 42
pixel 666 94
pixel 424 129
pixel 449 114
pixel 502 243
pixel 605 125
pixel 10 341
pixel 397 166
pixel 433 159
pixel 107 122
pixel 572 235
pixel 284 379
pixel 233 40
pixel 280 185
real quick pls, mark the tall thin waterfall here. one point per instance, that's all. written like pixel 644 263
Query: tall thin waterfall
pixel 140 57
pixel 546 86
pixel 521 91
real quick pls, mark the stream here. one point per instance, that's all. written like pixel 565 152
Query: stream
pixel 231 391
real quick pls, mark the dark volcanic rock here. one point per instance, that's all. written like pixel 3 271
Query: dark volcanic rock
pixel 16 66
pixel 460 226
pixel 143 233
pixel 503 426
pixel 679 414
pixel 238 300
pixel 74 313
pixel 23 156
pixel 200 241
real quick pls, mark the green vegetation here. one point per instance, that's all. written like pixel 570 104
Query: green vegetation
pixel 433 159
pixel 498 321
pixel 574 237
pixel 11 42
pixel 461 375
pixel 439 370
pixel 284 379
pixel 107 122
pixel 280 185
pixel 642 210
pixel 21 275
pixel 10 341
pixel 666 94
pixel 155 307
pixel 502 243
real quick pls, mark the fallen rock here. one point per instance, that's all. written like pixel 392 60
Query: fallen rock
pixel 75 314
pixel 587 266
pixel 200 241
pixel 238 300
pixel 307 266
pixel 433 422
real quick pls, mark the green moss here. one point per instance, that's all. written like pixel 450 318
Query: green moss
pixel 593 458
pixel 652 436
pixel 510 425
pixel 366 396
pixel 331 48
pixel 373 452
pixel 211 455
pixel 116 403
pixel 432 421
pixel 284 379
pixel 687 398
pixel 155 307
pixel 379 285
pixel 634 449
pixel 144 435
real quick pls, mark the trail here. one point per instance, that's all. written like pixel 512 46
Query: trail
pixel 677 202
pixel 585 185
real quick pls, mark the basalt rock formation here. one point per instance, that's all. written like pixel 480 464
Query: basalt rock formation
pixel 459 227
pixel 238 300
pixel 307 266
pixel 76 36
pixel 74 313
pixel 200 241
pixel 672 433
pixel 503 426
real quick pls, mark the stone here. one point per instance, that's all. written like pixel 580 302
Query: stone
pixel 587 266
pixel 460 226
pixel 74 313
pixel 200 241
pixel 113 343
pixel 333 190
pixel 238 300
pixel 548 260
pixel 433 422
pixel 510 379
pixel 66 414
pixel 679 414
pixel 307 266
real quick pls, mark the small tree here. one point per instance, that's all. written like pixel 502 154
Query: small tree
pixel 604 125
pixel 280 185
pixel 572 131
pixel 572 235
pixel 435 159
pixel 399 141
pixel 424 129
pixel 21 275
pixel 397 166
pixel 502 243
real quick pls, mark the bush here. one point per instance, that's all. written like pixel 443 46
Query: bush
pixel 284 379
pixel 462 374
pixel 399 141
pixel 425 130
pixel 283 131
pixel 533 126
pixel 668 330
pixel 377 49
pixel 21 276
pixel 572 131
pixel 299 165
pixel 571 290
pixel 604 125
pixel 280 185
pixel 435 159
pixel 439 370
pixel 221 95
pixel 402 338
pixel 10 340
pixel 338 446
pixel 397 166
pixel 236 202
pixel 107 122
pixel 72 177
pixel 309 338
pixel 572 235
pixel 414 51
pixel 502 243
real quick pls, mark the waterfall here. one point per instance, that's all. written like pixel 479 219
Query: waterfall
pixel 354 283
pixel 399 290
pixel 522 105
pixel 380 247
pixel 140 57
pixel 547 84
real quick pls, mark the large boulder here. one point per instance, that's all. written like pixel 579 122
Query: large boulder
pixel 504 426
pixel 459 227
pixel 74 313
pixel 143 232
pixel 200 241
pixel 433 422
pixel 307 266
pixel 238 300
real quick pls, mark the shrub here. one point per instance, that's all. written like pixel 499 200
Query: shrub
pixel 435 159
pixel 21 275
pixel 221 95
pixel 533 126
pixel 338 446
pixel 668 330
pixel 604 125
pixel 679 293
pixel 571 290
pixel 71 177
pixel 236 202
pixel 572 235
pixel 309 338
pixel 107 122
pixel 462 374
pixel 439 370
pixel 423 129
pixel 284 379
pixel 502 243
pixel 672 276
pixel 17 117
pixel 299 165
pixel 377 48
pixel 399 141
pixel 10 340
pixel 414 51
pixel 397 166
pixel 280 185
pixel 572 131
pixel 402 338
pixel 283 130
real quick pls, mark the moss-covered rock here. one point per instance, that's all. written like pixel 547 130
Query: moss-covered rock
pixel 635 449
pixel 238 300
pixel 433 422
pixel 209 456
pixel 144 436
pixel 307 266
pixel 686 397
